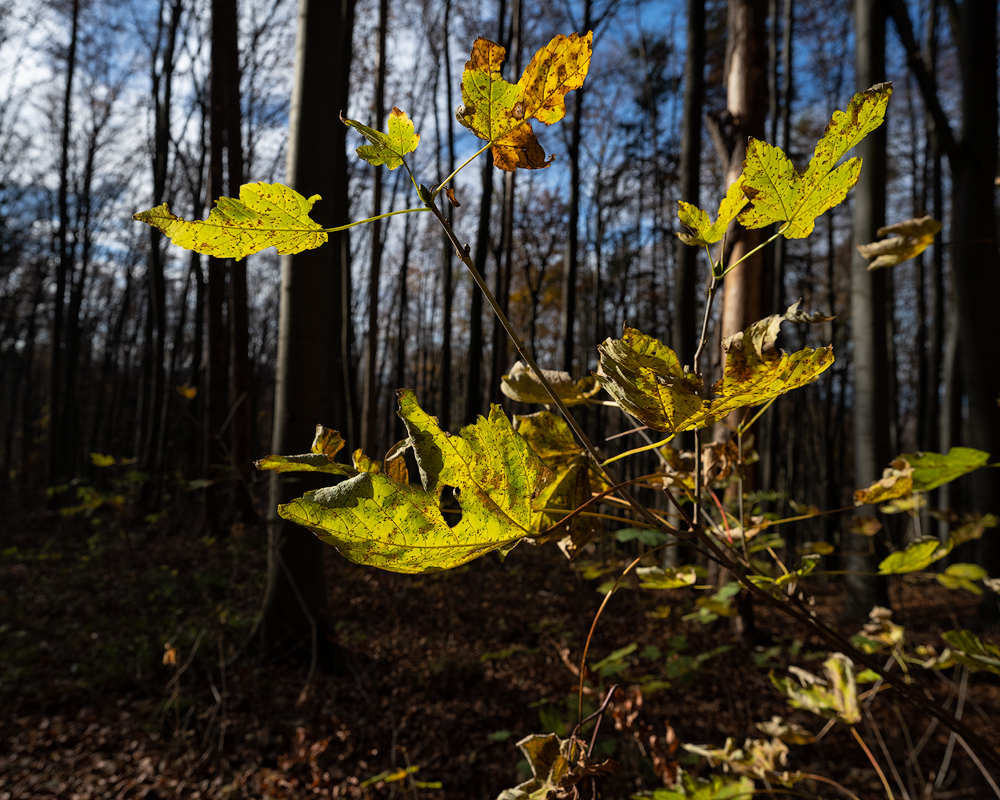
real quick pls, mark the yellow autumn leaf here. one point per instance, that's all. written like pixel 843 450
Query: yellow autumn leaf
pixel 500 112
pixel 779 193
pixel 102 460
pixel 559 67
pixel 908 239
pixel 266 215
pixel 896 481
pixel 387 148
pixel 493 111
pixel 703 231
pixel 646 379
pixel 756 371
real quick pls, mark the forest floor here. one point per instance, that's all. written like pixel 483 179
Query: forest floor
pixel 123 674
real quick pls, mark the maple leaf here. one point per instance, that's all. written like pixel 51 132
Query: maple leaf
pixel 779 193
pixel 320 458
pixel 552 441
pixel 390 147
pixel 500 112
pixel 757 371
pixel 646 379
pixel 266 215
pixel 558 68
pixel 522 385
pixel 908 240
pixel 703 231
pixel 373 520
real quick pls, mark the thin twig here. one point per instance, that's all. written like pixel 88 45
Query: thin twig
pixel 871 757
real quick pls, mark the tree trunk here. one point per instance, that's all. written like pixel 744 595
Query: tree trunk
pixel 310 381
pixel 56 460
pixel 868 322
pixel 975 265
pixel 685 327
pixel 369 402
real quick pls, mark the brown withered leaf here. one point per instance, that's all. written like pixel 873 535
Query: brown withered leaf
pixel 909 239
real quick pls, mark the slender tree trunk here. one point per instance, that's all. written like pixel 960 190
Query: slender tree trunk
pixel 571 261
pixel 310 381
pixel 868 321
pixel 685 327
pixel 370 399
pixel 64 267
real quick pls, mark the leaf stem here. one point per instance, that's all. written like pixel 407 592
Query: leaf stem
pixel 643 449
pixel 372 219
pixel 460 167
pixel 878 769
pixel 758 248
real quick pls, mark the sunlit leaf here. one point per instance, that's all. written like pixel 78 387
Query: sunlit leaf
pixel 931 470
pixel 363 463
pixel 522 385
pixel 961 576
pixel 757 758
pixel 645 378
pixel 896 481
pixel 779 193
pixel 494 111
pixel 969 649
pixel 372 520
pixel 669 578
pixel 559 67
pixel 387 148
pixel 557 765
pixel 714 787
pixel 266 215
pixel 788 732
pixel 102 460
pixel 917 555
pixel 908 240
pixel 756 371
pixel 809 563
pixel 835 697
pixel 320 457
pixel 703 231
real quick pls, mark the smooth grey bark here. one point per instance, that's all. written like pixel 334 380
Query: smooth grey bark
pixel 868 321
pixel 310 387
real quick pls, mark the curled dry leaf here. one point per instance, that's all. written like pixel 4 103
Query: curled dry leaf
pixel 522 385
pixel 908 239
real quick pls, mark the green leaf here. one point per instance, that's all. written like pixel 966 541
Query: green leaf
pixel 645 536
pixel 780 194
pixel 522 385
pixel 266 215
pixel 908 240
pixel 372 520
pixel 660 578
pixel 325 446
pixel 714 787
pixel 918 555
pixel 809 563
pixel 387 148
pixel 961 576
pixel 931 470
pixel 703 231
pixel 836 697
pixel 646 379
pixel 969 649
